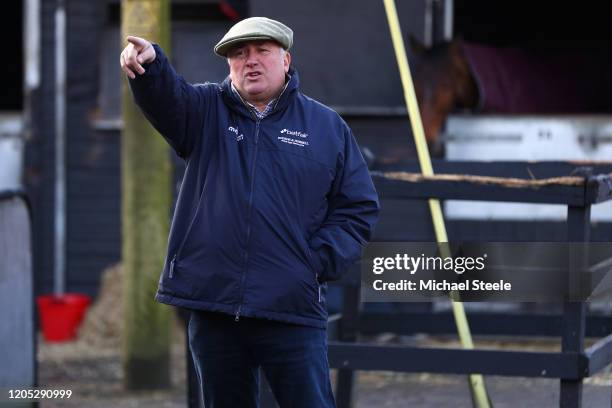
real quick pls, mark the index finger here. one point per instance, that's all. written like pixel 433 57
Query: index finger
pixel 136 40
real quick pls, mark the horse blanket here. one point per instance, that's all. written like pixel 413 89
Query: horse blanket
pixel 520 81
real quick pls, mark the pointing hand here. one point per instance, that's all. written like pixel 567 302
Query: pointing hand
pixel 138 51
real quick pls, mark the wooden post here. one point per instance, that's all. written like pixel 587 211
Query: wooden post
pixel 146 202
pixel 574 310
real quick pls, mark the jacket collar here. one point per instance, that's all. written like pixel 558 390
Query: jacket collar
pixel 234 101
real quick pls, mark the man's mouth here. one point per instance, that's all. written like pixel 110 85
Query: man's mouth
pixel 253 75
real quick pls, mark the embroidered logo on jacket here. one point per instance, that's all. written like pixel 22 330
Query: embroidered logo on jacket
pixel 298 140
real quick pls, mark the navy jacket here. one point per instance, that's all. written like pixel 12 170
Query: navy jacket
pixel 269 210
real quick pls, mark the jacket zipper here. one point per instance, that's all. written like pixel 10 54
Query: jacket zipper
pixel 248 230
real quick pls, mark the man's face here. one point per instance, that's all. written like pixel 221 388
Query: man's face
pixel 258 68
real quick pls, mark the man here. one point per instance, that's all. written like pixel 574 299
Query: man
pixel 275 202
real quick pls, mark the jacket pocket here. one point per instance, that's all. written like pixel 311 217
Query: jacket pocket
pixel 315 272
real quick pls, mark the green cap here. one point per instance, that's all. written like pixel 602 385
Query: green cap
pixel 252 29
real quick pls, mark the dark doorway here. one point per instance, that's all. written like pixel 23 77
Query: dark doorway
pixel 544 25
pixel 11 69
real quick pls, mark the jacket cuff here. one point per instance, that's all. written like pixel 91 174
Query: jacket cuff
pixel 152 68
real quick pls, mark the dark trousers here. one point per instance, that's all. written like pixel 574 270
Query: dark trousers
pixel 227 356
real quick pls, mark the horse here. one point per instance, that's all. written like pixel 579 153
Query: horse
pixel 460 75
pixel 443 83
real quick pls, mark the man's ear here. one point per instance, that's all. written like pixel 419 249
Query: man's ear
pixel 417 47
pixel 287 61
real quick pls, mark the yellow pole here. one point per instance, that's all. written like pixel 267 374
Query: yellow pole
pixel 477 386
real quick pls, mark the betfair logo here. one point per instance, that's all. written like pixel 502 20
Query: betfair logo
pixel 294 133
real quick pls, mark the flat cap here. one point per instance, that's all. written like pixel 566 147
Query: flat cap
pixel 255 28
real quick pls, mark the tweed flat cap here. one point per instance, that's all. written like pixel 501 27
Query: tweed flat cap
pixel 255 28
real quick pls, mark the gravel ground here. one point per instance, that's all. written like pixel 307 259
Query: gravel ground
pixel 94 376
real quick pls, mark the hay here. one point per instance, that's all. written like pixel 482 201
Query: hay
pixel 102 325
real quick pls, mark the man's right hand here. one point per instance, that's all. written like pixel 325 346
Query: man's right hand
pixel 138 51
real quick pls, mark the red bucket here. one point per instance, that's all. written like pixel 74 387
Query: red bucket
pixel 60 316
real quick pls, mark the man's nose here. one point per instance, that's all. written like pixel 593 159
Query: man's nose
pixel 251 59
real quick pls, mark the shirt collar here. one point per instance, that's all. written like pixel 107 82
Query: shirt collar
pixel 269 106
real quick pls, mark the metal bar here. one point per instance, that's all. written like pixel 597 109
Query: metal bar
pixel 59 270
pixel 464 361
pixel 31 44
pixel 448 20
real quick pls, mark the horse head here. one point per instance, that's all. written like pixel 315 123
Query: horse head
pixel 443 82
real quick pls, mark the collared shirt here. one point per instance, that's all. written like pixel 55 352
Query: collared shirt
pixel 270 105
